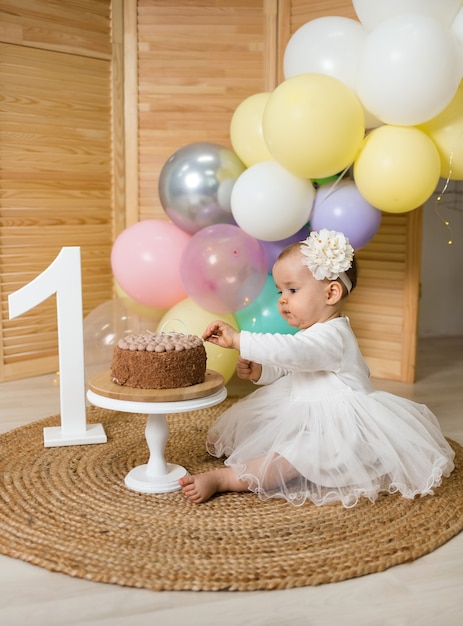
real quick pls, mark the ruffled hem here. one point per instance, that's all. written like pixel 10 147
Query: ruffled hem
pixel 339 450
pixel 300 491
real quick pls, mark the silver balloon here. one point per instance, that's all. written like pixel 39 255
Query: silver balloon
pixel 196 183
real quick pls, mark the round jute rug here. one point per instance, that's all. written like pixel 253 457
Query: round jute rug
pixel 67 509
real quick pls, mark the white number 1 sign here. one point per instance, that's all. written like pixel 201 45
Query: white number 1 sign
pixel 63 277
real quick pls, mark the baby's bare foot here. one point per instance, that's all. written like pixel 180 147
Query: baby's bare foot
pixel 200 487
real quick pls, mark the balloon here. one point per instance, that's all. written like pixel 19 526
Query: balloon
pixel 331 46
pixel 188 313
pixel 446 132
pixel 246 133
pixel 409 71
pixel 373 12
pixel 319 182
pixel 273 248
pixel 313 125
pixel 262 315
pixel 270 203
pixel 457 29
pixel 146 312
pixel 344 209
pixel 326 45
pixel 145 260
pixel 397 168
pixel 222 268
pixel 104 326
pixel 195 185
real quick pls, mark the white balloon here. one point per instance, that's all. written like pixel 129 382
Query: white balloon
pixel 373 12
pixel 270 203
pixel 410 70
pixel 457 29
pixel 326 45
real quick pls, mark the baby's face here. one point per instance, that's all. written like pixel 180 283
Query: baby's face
pixel 302 298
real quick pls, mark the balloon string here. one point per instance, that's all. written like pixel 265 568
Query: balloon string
pixel 442 193
pixel 335 184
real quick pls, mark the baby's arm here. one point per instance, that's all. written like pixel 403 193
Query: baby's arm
pixel 248 370
pixel 222 335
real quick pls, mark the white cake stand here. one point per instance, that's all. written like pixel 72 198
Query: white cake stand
pixel 156 476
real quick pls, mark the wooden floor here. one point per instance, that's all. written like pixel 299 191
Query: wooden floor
pixel 427 592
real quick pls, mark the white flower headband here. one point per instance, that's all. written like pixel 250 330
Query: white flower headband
pixel 328 254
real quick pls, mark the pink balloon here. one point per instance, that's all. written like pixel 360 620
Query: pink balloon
pixel 145 260
pixel 223 268
pixel 341 207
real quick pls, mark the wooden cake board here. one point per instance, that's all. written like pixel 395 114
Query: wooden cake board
pixel 103 385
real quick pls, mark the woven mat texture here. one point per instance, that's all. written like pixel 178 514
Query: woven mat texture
pixel 67 509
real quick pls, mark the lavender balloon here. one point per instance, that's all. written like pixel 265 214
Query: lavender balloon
pixel 222 268
pixel 273 248
pixel 341 207
pixel 195 185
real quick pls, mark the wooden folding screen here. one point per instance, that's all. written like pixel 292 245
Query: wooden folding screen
pixel 94 98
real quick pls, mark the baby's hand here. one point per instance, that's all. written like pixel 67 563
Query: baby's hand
pixel 222 335
pixel 248 370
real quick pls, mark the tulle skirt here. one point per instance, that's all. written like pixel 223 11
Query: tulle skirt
pixel 339 448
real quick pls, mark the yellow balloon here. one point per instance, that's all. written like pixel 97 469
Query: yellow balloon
pixel 446 131
pixel 147 312
pixel 246 134
pixel 313 125
pixel 397 169
pixel 187 315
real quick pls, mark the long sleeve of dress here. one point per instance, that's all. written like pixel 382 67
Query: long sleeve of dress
pixel 271 373
pixel 305 351
pixel 324 347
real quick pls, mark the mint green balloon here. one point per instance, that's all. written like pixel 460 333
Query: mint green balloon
pixel 262 316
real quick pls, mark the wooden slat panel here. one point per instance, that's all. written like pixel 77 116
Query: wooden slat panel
pixel 196 62
pixel 383 306
pixel 77 27
pixel 55 163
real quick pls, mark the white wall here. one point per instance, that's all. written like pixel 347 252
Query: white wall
pixel 441 305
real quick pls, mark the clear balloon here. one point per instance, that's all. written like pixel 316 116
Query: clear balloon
pixel 246 134
pixel 397 169
pixel 341 207
pixel 189 314
pixel 409 70
pixel 262 315
pixel 223 268
pixel 372 12
pixel 313 125
pixel 446 132
pixel 273 248
pixel 145 260
pixel 104 326
pixel 195 185
pixel 271 203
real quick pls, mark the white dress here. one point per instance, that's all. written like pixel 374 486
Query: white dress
pixel 320 431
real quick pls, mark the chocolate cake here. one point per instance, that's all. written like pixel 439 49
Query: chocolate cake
pixel 159 361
